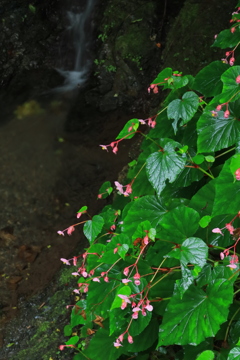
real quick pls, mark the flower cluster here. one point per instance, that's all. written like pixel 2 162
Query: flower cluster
pixel 127 191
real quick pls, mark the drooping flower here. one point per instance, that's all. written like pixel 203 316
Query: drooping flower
pixel 226 114
pixel 217 231
pixel 125 301
pixel 230 228
pixel 70 230
pixel 130 339
pixel 65 261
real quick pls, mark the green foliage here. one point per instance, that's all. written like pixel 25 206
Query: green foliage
pixel 162 268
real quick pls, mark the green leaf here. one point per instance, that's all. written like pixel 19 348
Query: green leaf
pixel 210 158
pixel 73 340
pixel 164 74
pixel 101 346
pixel 192 251
pixel 227 192
pixel 101 296
pixel 163 165
pixel 224 132
pixel 234 353
pixel 92 228
pixel 204 221
pixel 226 39
pixel 83 209
pixel 206 355
pixel 105 190
pixel 184 108
pixel 124 290
pixel 140 231
pixel 202 201
pixel 67 330
pixel 235 164
pixel 230 86
pixel 129 129
pixel 146 208
pixel 144 340
pixel 191 352
pixel 178 224
pixel 208 80
pixel 139 324
pixel 197 315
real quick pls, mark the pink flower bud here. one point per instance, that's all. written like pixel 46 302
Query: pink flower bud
pixel 233 29
pixel 126 271
pixel 130 339
pixel 237 174
pixel 70 230
pixel 221 255
pixel 219 107
pixel 226 114
pixel 232 61
pixel 230 228
pixel 238 79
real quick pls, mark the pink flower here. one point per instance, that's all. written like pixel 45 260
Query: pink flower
pixel 113 227
pixel 238 79
pixel 125 301
pixel 233 29
pixel 61 347
pixel 106 279
pixel 219 107
pixel 60 232
pixel 126 271
pixel 120 338
pixel 117 344
pixel 222 255
pixel 233 259
pixel 149 307
pixel 217 231
pixel 232 266
pixel 237 174
pixel 128 190
pixel 230 228
pixel 115 149
pixel 125 281
pixel 70 230
pixel 130 339
pixel 119 187
pixel 104 147
pixel 74 260
pixel 65 261
pixel 76 291
pixel 135 315
pixel 137 277
pixel 75 274
pixel 226 114
pixel 231 61
pixel 96 279
pixel 84 274
pixel 145 240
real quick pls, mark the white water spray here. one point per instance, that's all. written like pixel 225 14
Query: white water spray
pixel 78 33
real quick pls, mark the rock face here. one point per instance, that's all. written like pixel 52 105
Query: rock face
pixel 33 36
pixel 126 45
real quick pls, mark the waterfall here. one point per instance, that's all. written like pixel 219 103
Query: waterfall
pixel 78 33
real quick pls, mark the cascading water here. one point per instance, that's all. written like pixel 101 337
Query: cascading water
pixel 79 30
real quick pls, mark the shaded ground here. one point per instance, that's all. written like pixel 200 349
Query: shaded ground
pixel 46 176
